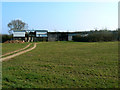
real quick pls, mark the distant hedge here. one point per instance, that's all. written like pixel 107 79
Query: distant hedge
pixel 96 36
pixel 5 37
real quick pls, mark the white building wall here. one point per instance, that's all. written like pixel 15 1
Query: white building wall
pixel 18 34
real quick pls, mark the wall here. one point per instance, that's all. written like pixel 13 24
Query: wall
pixel 52 37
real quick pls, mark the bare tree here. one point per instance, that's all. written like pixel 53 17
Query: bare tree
pixel 17 25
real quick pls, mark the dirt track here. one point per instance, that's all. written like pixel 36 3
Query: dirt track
pixel 19 53
pixel 16 50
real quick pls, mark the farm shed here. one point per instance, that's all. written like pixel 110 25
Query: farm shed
pixel 64 36
pixel 19 35
pixel 44 35
pixel 30 35
pixel 41 35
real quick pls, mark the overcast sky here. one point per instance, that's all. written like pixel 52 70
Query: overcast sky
pixel 62 16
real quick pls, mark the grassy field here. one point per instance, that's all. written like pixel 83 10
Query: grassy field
pixel 64 65
pixel 9 47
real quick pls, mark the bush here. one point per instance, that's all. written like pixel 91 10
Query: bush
pixel 5 37
pixel 96 36
pixel 79 38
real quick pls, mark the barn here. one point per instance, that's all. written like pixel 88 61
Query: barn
pixel 31 35
pixel 64 36
pixel 44 35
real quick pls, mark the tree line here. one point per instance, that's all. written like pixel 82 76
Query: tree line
pixel 97 36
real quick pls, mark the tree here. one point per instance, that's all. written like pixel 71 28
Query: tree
pixel 17 25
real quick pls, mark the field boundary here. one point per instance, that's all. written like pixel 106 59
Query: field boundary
pixel 19 53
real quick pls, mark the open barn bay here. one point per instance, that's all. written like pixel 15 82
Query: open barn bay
pixel 64 65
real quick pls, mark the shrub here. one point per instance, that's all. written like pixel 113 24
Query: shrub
pixel 5 37
pixel 96 36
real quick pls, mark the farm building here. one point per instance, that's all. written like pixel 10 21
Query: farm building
pixel 64 36
pixel 44 35
pixel 19 35
pixel 30 35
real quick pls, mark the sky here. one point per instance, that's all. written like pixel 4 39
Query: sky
pixel 61 16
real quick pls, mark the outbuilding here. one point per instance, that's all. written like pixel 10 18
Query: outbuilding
pixel 31 35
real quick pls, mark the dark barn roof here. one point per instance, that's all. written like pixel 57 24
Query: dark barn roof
pixel 41 30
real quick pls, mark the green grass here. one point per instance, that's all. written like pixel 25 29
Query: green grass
pixel 9 47
pixel 19 51
pixel 64 65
